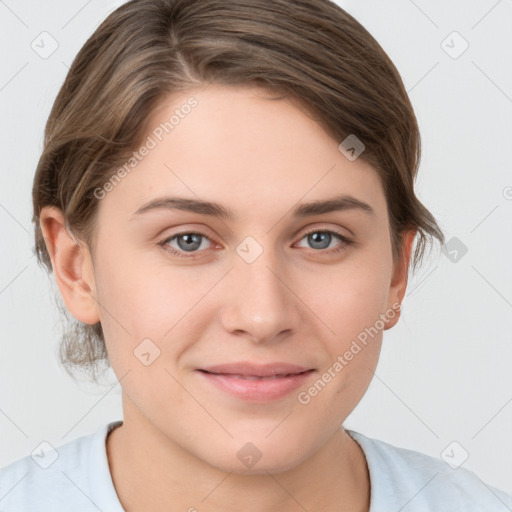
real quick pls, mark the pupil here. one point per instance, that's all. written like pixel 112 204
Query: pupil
pixel 190 240
pixel 316 237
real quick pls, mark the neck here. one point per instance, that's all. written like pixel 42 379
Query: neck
pixel 152 473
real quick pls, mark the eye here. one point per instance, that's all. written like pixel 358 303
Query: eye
pixel 191 242
pixel 321 240
pixel 187 242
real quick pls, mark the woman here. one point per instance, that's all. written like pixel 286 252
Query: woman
pixel 226 199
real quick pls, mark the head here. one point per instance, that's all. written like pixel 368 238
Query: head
pixel 260 108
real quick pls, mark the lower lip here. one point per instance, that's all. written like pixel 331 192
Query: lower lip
pixel 258 390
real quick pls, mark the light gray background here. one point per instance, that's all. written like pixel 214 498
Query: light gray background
pixel 444 373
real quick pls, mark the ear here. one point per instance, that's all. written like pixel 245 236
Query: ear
pixel 399 279
pixel 72 266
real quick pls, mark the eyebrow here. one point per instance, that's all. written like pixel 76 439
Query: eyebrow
pixel 338 203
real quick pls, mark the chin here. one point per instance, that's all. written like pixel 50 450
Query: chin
pixel 258 457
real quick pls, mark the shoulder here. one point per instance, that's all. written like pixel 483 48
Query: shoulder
pixel 411 480
pixel 51 476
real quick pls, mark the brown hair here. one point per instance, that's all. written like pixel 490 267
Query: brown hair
pixel 309 51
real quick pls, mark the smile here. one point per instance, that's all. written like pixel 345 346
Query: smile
pixel 248 382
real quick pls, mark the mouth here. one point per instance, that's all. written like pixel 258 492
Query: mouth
pixel 254 377
pixel 247 369
pixel 256 383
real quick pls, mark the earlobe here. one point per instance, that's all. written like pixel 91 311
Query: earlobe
pixel 72 266
pixel 399 279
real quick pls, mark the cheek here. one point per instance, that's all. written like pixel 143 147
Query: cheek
pixel 350 301
pixel 351 297
pixel 146 299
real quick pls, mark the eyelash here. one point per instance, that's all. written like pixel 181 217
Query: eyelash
pixel 345 242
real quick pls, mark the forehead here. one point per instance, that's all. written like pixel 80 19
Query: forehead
pixel 236 146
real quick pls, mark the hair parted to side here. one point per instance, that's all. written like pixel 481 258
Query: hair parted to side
pixel 309 51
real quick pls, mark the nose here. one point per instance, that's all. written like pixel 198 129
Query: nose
pixel 260 303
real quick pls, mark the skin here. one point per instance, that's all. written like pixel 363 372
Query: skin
pixel 297 303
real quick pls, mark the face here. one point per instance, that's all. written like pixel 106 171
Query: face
pixel 262 326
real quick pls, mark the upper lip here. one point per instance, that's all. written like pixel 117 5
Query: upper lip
pixel 256 370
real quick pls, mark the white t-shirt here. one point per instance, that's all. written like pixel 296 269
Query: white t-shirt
pixel 76 477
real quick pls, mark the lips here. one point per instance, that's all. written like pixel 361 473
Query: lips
pixel 250 370
pixel 256 383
